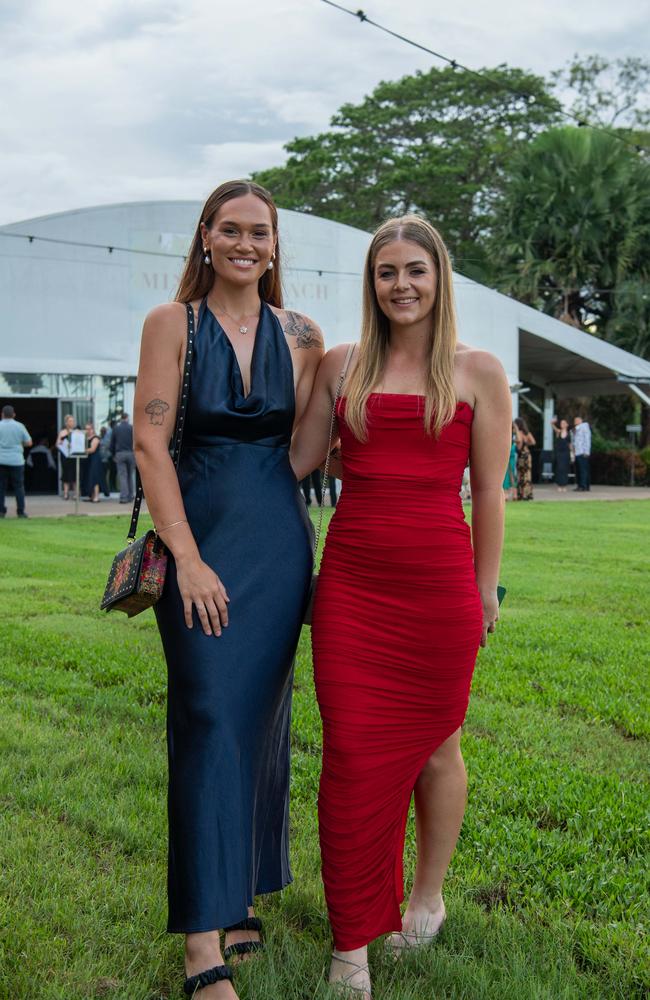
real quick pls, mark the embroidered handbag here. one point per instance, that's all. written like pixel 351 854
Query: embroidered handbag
pixel 137 576
pixel 314 580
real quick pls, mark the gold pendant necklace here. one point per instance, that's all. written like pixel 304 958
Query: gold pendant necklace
pixel 238 322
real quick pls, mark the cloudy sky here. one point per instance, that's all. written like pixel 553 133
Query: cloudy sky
pixel 123 100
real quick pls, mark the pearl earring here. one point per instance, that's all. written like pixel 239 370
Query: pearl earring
pixel 269 266
pixel 207 258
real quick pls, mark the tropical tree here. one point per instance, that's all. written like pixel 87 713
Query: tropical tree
pixel 438 143
pixel 607 92
pixel 629 325
pixel 574 229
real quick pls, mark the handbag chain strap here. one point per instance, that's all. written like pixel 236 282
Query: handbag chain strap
pixel 326 471
pixel 177 439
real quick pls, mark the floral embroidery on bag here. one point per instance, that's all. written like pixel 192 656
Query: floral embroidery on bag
pixel 123 571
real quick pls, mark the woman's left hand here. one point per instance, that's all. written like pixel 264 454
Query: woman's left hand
pixel 490 604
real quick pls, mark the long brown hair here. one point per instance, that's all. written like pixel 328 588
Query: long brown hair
pixel 440 400
pixel 197 277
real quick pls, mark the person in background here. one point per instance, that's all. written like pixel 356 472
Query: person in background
pixel 562 453
pixel 42 448
pixel 112 468
pixel 525 441
pixel 510 478
pixel 466 486
pixel 122 452
pixel 93 476
pixel 105 435
pixel 14 438
pixel 68 465
pixel 315 480
pixel 582 452
pixel 42 468
pixel 334 472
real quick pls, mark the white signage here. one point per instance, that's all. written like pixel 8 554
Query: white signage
pixel 77 443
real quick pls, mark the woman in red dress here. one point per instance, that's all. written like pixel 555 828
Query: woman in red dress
pixel 405 595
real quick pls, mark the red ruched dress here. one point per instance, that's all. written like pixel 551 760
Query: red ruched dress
pixel 396 628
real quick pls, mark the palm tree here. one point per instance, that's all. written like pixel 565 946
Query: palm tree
pixel 572 225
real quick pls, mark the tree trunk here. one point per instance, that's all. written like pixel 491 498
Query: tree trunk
pixel 570 309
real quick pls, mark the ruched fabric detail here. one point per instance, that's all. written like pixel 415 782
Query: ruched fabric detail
pixel 396 628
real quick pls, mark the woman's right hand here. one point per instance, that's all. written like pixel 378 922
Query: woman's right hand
pixel 201 587
pixel 335 466
pixel 490 604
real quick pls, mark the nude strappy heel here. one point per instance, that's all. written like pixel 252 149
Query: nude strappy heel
pixel 401 941
pixel 344 987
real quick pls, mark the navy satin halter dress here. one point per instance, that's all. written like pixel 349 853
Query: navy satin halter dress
pixel 229 697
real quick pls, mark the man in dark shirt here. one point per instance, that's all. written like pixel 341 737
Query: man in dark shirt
pixel 122 451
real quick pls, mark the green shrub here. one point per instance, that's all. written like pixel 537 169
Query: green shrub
pixel 612 468
pixel 606 445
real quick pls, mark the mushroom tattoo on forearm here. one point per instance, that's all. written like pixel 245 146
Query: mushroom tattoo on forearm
pixel 156 409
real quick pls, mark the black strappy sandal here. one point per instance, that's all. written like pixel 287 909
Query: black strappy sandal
pixel 215 975
pixel 244 947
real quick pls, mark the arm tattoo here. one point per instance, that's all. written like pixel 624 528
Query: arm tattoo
pixel 156 409
pixel 299 327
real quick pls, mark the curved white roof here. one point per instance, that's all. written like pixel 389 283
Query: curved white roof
pixel 78 309
pixel 68 305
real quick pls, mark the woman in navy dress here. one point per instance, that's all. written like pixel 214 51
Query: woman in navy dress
pixel 241 561
pixel 93 469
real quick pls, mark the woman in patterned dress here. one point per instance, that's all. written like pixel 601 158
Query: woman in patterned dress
pixel 525 440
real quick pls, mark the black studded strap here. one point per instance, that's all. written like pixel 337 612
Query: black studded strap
pixel 177 439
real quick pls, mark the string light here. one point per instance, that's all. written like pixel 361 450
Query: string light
pixel 31 238
pixel 361 16
pixel 320 271
pixel 91 246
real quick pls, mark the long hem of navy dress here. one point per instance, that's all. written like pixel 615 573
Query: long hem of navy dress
pixel 229 920
pixel 392 926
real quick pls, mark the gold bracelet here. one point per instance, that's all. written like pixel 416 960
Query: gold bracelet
pixel 172 525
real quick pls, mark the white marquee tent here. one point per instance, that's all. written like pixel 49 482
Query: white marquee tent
pixel 74 289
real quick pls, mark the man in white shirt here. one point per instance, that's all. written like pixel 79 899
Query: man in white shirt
pixel 582 451
pixel 13 439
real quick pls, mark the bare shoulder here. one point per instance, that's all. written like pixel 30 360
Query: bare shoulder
pixel 307 333
pixel 481 367
pixel 332 364
pixel 166 320
pixel 336 356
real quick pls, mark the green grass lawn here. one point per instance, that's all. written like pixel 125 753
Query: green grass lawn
pixel 548 891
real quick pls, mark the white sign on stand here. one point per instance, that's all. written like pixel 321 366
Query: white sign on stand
pixel 77 443
pixel 77 440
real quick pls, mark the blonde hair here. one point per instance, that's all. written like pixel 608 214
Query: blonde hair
pixel 440 398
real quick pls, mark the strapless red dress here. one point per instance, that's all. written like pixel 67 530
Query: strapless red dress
pixel 396 628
